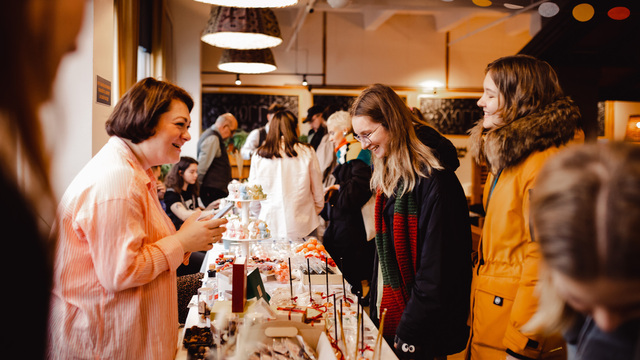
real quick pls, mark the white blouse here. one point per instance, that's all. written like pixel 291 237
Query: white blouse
pixel 295 195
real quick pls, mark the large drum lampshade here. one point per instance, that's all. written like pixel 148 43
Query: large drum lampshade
pixel 252 3
pixel 247 61
pixel 242 28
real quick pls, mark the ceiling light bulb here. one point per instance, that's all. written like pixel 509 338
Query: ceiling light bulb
pixel 238 81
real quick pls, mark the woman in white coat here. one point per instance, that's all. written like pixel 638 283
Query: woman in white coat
pixel 290 175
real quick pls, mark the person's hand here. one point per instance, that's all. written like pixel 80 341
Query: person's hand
pixel 199 235
pixel 161 189
pixel 509 357
pixel 214 204
pixel 334 187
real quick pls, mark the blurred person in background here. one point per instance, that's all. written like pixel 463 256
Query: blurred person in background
pixel 182 200
pixel 214 168
pixel 346 236
pixel 35 35
pixel 289 174
pixel 162 189
pixel 257 136
pixel 585 212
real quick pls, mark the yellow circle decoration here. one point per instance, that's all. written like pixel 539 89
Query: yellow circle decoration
pixel 483 3
pixel 583 12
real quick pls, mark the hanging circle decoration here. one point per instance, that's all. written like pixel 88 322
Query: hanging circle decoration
pixel 583 12
pixel 548 9
pixel 482 3
pixel 619 13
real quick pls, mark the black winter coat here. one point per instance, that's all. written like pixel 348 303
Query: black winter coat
pixel 435 317
pixel 345 237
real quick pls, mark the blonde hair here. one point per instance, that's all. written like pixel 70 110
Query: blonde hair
pixel 406 158
pixel 585 210
pixel 340 119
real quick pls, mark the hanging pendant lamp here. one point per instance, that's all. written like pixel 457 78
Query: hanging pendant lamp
pixel 252 3
pixel 242 28
pixel 247 61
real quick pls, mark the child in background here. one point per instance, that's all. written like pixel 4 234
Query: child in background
pixel 181 201
pixel 182 196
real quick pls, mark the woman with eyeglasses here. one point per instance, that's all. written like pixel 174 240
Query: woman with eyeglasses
pixel 423 237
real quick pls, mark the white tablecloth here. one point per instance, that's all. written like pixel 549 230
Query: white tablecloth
pixel 192 317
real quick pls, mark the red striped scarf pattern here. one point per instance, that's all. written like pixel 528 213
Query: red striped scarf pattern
pixel 397 255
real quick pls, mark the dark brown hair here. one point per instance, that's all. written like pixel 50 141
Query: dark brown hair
pixel 175 179
pixel 275 107
pixel 136 115
pixel 526 83
pixel 282 130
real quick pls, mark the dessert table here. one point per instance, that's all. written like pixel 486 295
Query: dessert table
pixel 298 286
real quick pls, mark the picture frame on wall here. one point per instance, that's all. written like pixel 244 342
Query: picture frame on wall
pixel 249 108
pixel 451 116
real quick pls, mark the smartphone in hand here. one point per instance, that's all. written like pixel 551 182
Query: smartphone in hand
pixel 224 210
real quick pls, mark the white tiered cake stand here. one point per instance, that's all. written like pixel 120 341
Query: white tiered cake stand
pixel 244 220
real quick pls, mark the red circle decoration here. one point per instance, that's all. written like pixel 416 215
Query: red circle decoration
pixel 619 13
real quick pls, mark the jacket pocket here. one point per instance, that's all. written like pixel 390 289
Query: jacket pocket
pixel 490 318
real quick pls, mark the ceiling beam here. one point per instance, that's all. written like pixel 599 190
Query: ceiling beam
pixel 448 20
pixel 374 18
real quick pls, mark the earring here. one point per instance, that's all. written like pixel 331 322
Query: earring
pixel 344 133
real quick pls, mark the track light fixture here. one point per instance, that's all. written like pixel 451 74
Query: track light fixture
pixel 238 81
pixel 304 80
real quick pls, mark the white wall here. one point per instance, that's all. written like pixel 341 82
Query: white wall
pixel 73 122
pixel 188 22
pixel 405 51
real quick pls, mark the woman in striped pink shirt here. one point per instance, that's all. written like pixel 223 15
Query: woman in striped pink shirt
pixel 114 293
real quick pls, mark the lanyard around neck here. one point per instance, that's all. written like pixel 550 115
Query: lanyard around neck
pixel 493 187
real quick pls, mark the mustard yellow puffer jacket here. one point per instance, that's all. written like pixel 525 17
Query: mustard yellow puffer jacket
pixel 503 294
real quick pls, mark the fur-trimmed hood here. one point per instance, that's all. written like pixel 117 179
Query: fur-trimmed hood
pixel 507 146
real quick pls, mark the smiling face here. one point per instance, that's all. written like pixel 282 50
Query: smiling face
pixel 490 102
pixel 171 133
pixel 610 302
pixel 374 136
pixel 190 175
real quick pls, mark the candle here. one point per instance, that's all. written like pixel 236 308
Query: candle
pixel 362 332
pixel 309 275
pixel 355 356
pixel 290 279
pixel 326 274
pixel 335 318
pixel 344 292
